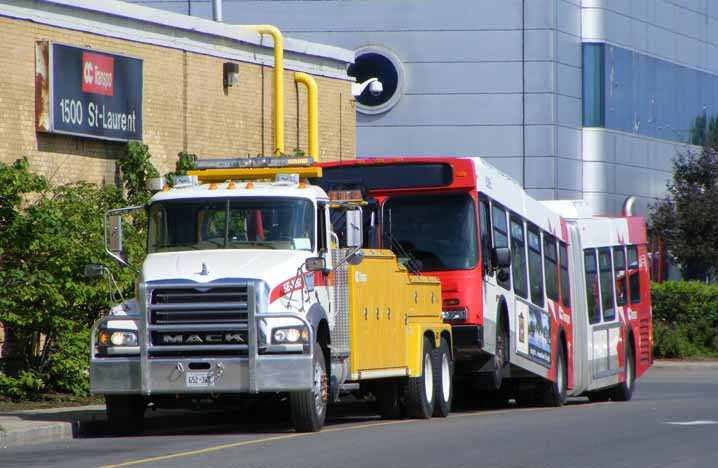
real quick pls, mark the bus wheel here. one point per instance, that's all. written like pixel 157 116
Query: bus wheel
pixel 501 358
pixel 125 414
pixel 624 390
pixel 387 399
pixel 443 379
pixel 309 407
pixel 554 394
pixel 419 391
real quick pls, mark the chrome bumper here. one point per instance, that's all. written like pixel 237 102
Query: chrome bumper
pixel 251 372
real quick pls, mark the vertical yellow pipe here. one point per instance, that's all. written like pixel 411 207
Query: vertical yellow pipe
pixel 278 81
pixel 313 112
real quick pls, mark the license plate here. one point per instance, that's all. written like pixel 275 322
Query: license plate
pixel 197 379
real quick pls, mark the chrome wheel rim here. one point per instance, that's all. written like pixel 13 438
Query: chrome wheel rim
pixel 428 379
pixel 318 391
pixel 445 377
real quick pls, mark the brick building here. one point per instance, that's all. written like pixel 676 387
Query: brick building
pixel 185 105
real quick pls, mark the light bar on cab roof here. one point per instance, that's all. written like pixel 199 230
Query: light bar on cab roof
pixel 260 162
pixel 346 195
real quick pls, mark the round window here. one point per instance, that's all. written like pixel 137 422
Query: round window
pixel 384 65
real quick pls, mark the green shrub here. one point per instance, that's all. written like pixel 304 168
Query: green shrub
pixel 27 385
pixel 685 319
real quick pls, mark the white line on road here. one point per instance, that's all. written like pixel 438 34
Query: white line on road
pixel 691 423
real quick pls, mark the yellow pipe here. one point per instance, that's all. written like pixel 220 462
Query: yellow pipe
pixel 313 112
pixel 278 81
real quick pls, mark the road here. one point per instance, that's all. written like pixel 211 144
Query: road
pixel 671 422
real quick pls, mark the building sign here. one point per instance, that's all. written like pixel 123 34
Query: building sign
pixel 86 92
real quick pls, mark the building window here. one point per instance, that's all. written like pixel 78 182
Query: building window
pixel 383 64
pixel 594 114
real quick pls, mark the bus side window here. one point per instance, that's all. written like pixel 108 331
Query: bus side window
pixel 565 285
pixel 592 303
pixel 485 227
pixel 535 267
pixel 619 267
pixel 550 266
pixel 606 278
pixel 634 275
pixel 501 238
pixel 518 257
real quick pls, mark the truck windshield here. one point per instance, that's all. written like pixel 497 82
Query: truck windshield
pixel 231 223
pixel 437 230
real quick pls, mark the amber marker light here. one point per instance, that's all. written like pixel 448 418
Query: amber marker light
pixel 213 186
pixel 231 186
pixel 104 338
pixel 250 185
pixel 166 188
pixel 451 302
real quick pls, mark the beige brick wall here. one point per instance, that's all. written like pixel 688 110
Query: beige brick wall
pixel 185 108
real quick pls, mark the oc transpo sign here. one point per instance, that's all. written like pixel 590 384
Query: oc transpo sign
pixel 95 94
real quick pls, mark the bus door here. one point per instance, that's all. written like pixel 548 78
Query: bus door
pixel 605 329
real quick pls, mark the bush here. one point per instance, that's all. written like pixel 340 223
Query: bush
pixel 685 319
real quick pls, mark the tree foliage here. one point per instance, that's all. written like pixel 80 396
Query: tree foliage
pixel 46 305
pixel 687 219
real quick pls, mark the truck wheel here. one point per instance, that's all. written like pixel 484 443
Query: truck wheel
pixel 309 407
pixel 419 391
pixel 624 390
pixel 387 399
pixel 554 393
pixel 443 379
pixel 125 414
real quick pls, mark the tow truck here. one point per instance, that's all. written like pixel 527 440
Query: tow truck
pixel 249 287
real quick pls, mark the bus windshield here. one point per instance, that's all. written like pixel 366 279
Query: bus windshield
pixel 231 223
pixel 437 230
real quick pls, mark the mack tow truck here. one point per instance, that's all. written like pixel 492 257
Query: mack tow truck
pixel 249 287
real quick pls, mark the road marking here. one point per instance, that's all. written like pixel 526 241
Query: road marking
pixel 251 442
pixel 691 423
pixel 309 434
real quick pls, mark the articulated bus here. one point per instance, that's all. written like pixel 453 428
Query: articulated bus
pixel 545 300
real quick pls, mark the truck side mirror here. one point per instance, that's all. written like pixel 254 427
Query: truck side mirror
pixel 315 264
pixel 94 270
pixel 114 240
pixel 501 257
pixel 355 236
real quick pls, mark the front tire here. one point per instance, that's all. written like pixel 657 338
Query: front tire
pixel 443 379
pixel 125 414
pixel 624 391
pixel 419 391
pixel 501 358
pixel 309 407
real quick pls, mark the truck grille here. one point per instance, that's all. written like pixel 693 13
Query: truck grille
pixel 203 320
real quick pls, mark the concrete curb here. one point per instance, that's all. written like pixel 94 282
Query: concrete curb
pixel 685 365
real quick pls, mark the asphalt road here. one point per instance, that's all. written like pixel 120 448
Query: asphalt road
pixel 671 422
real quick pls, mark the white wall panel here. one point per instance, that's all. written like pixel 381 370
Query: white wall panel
pixel 569 142
pixel 540 14
pixel 466 78
pixel 495 142
pixel 569 111
pixel 599 177
pixel 540 109
pixel 453 109
pixel 569 174
pixel 569 80
pixel 599 145
pixel 541 172
pixel 569 18
pixel 539 44
pixel 568 49
pixel 539 77
pixel 539 140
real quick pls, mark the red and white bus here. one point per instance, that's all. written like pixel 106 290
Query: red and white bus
pixel 545 299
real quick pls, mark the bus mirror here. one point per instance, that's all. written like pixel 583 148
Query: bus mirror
pixel 114 241
pixel 356 257
pixel 354 236
pixel 501 257
pixel 315 264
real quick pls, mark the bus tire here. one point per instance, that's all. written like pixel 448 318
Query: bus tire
pixel 624 390
pixel 309 407
pixel 443 379
pixel 419 391
pixel 554 393
pixel 125 414
pixel 388 399
pixel 501 356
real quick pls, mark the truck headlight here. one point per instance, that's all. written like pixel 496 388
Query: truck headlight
pixel 454 315
pixel 290 335
pixel 117 338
